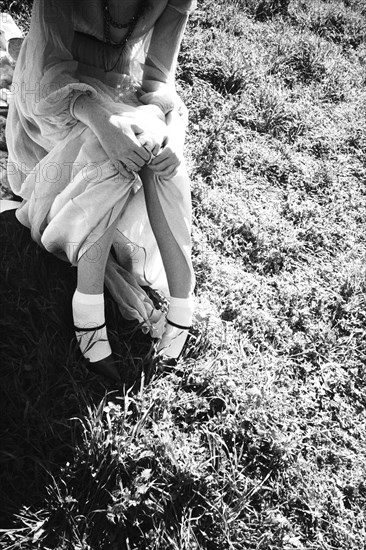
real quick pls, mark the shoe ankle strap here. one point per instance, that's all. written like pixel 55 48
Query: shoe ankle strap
pixel 89 329
pixel 176 325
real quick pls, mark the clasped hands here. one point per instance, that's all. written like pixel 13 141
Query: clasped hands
pixel 142 137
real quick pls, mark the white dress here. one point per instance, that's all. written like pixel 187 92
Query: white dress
pixel 71 191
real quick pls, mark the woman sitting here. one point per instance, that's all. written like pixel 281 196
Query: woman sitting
pixel 95 136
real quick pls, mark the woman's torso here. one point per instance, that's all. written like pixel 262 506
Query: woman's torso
pixel 89 46
pixel 89 17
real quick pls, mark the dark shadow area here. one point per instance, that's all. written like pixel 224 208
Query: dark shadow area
pixel 44 386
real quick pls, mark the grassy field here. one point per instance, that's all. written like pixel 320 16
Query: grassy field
pixel 258 439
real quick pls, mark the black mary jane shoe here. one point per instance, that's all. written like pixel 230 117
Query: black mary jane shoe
pixel 107 367
pixel 164 362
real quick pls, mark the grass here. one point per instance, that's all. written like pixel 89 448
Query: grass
pixel 257 439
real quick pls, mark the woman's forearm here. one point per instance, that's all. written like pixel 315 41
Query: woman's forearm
pixel 90 112
pixel 162 55
pixel 116 134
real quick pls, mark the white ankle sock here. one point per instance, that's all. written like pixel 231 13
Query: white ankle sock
pixel 88 312
pixel 180 312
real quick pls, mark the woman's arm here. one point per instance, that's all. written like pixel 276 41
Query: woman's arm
pixel 158 83
pixel 166 163
pixel 116 134
pixel 162 55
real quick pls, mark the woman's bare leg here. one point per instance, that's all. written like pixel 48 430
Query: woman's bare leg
pixel 88 300
pixel 177 270
pixel 92 264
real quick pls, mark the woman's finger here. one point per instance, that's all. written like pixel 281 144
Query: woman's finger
pixel 122 169
pixel 159 158
pixel 130 165
pixel 156 150
pixel 164 164
pixel 136 146
pixel 147 141
pixel 138 152
pixel 167 172
pixel 136 160
pixel 165 155
pixel 159 169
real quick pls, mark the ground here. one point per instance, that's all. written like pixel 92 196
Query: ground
pixel 257 440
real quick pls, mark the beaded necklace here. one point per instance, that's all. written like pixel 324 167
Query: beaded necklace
pixel 110 22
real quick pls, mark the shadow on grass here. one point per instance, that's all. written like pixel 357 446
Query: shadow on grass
pixel 43 385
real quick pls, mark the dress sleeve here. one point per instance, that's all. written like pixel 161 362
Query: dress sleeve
pixel 158 81
pixel 45 71
pixel 162 55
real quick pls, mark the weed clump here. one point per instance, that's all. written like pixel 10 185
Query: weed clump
pixel 263 10
pixel 343 23
pixel 342 27
pixel 268 109
pixel 301 59
pixel 227 70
